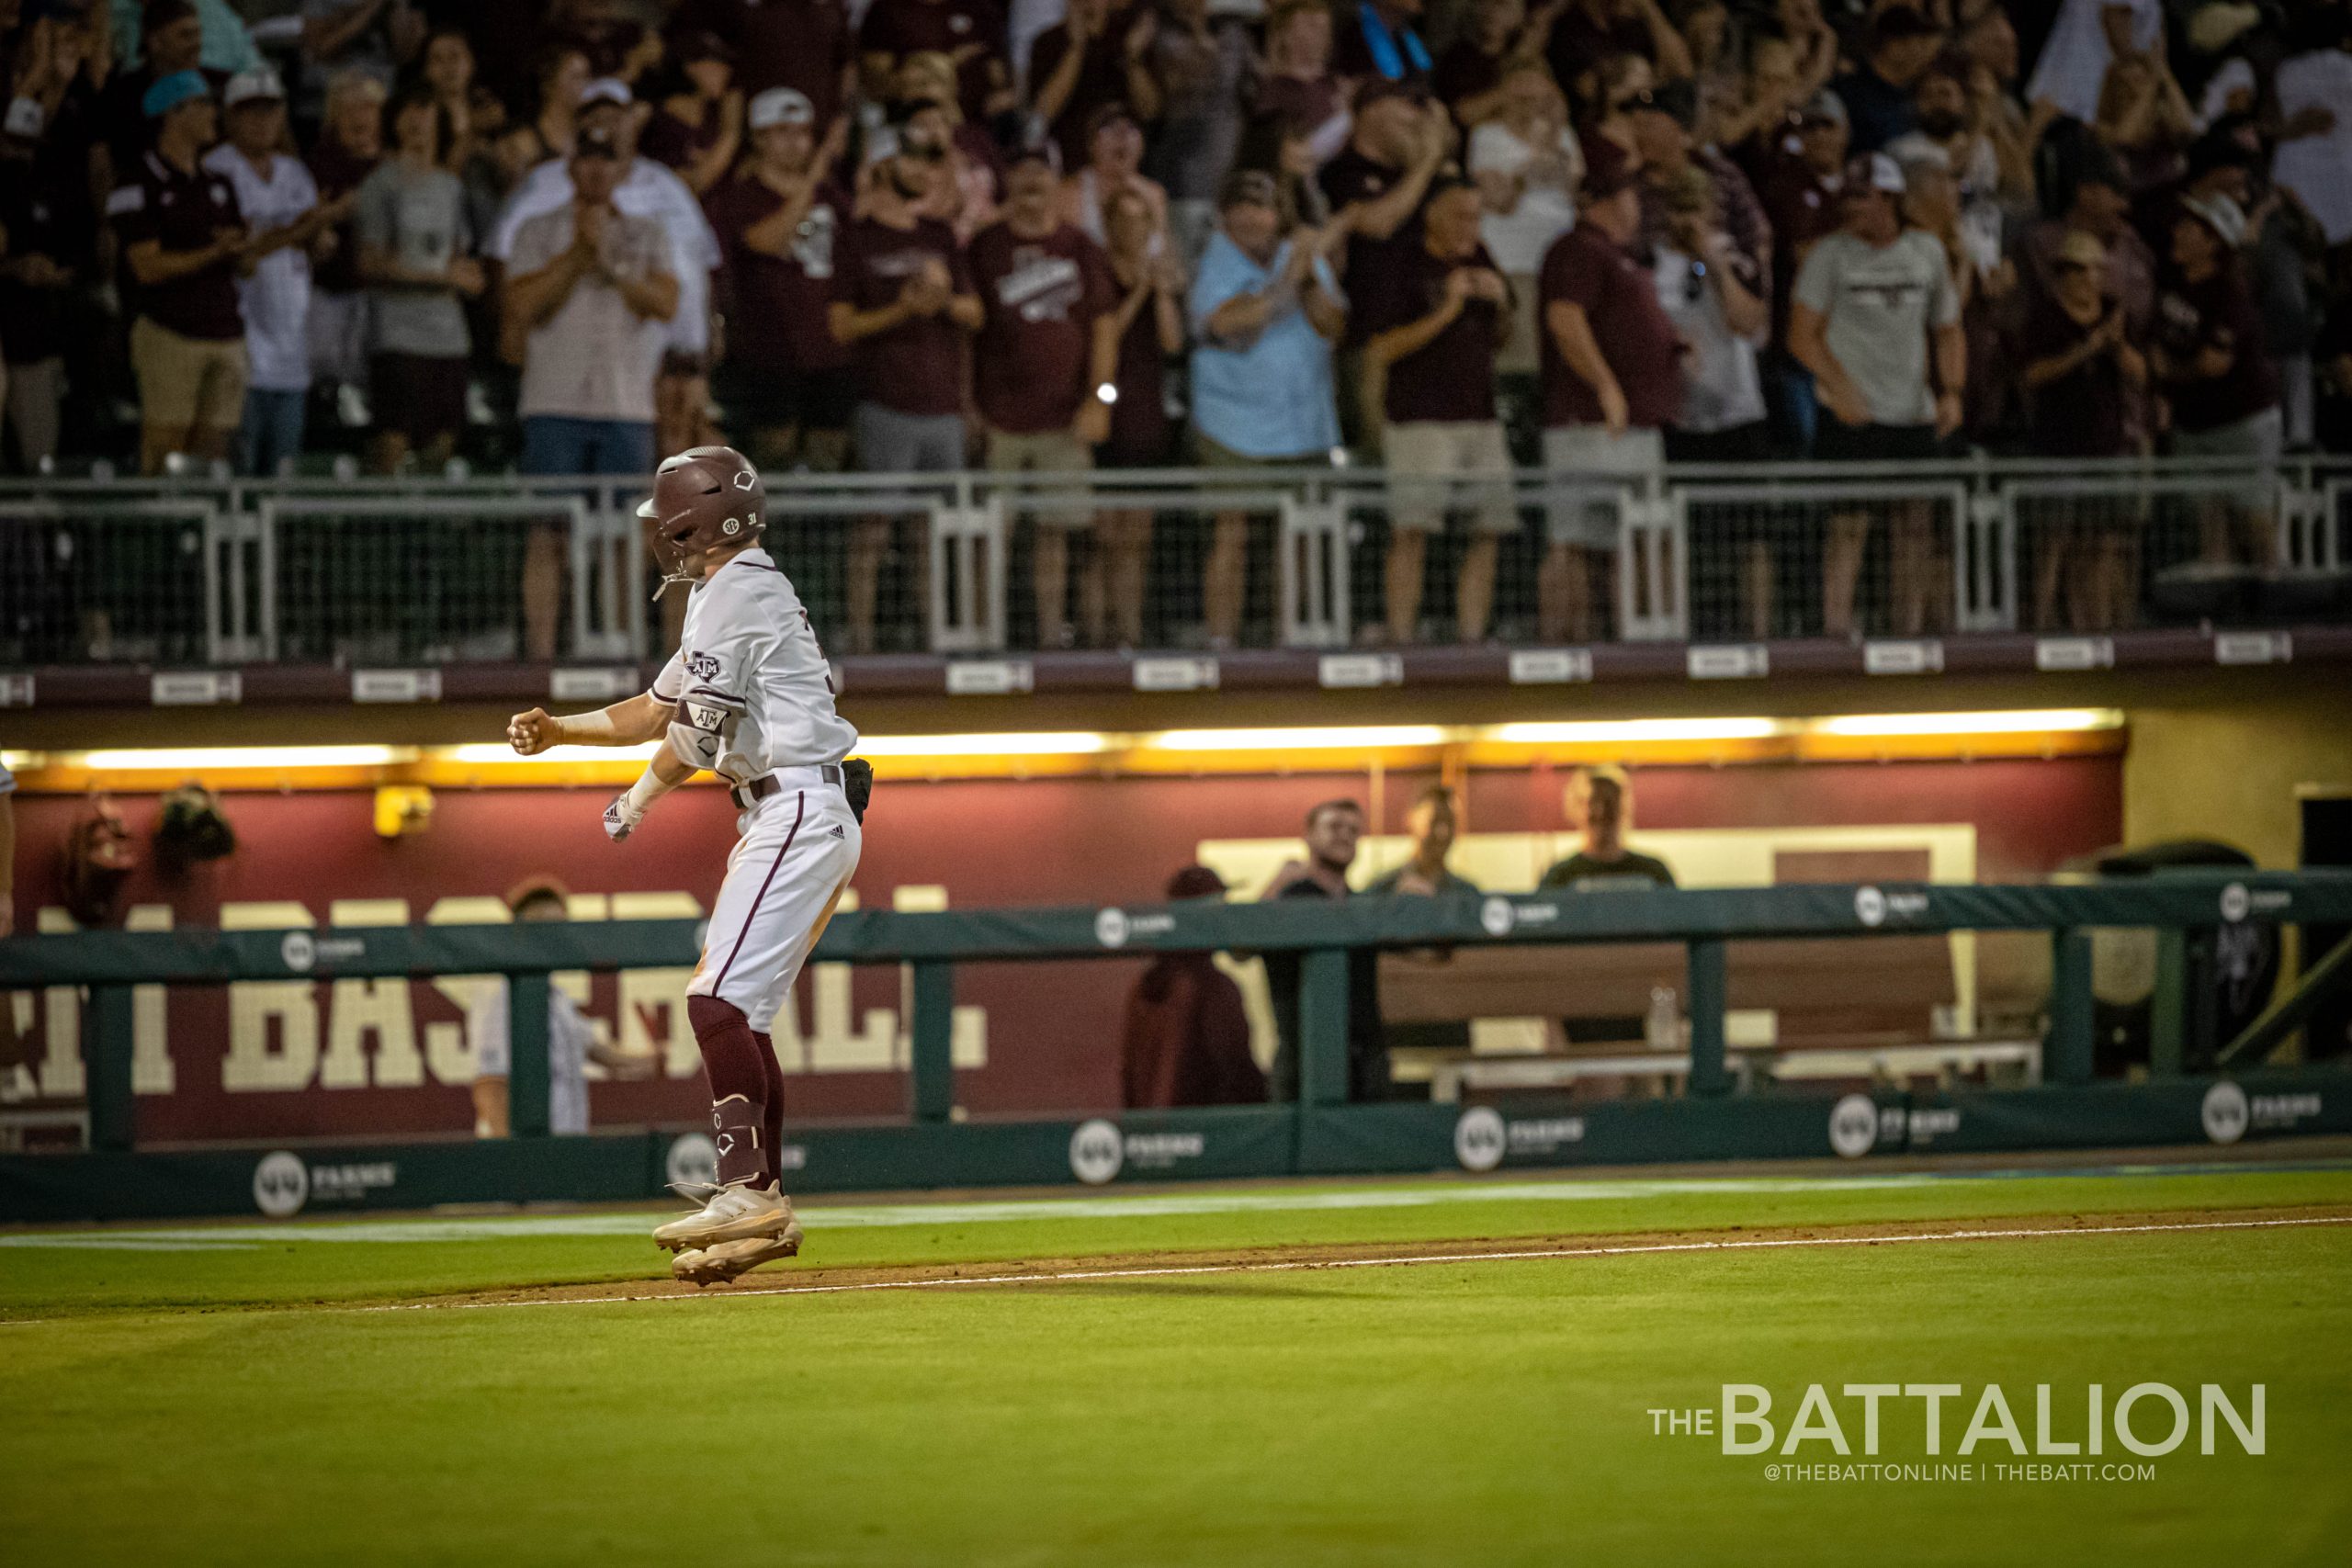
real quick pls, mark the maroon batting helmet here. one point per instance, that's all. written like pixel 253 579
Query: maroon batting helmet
pixel 704 498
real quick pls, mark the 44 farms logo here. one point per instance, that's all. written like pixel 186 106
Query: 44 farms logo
pixel 285 1184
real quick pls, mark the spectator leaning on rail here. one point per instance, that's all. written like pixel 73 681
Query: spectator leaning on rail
pixel 1601 801
pixel 1186 1040
pixel 1333 830
pixel 1612 384
pixel 277 196
pixel 1043 360
pixel 1434 315
pixel 1872 300
pixel 1264 310
pixel 571 1039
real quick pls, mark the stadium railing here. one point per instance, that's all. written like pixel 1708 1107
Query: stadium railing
pixel 2190 1086
pixel 223 572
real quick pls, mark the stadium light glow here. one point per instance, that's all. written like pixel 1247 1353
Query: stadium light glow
pixel 1037 743
pixel 228 759
pixel 1636 731
pixel 1336 738
pixel 2021 721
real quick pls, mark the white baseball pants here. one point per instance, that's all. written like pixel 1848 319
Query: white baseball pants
pixel 795 856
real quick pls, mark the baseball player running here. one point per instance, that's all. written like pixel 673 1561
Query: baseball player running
pixel 749 696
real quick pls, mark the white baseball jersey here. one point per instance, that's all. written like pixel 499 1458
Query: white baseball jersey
pixel 569 1036
pixel 748 644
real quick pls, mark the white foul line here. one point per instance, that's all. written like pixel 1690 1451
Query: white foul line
pixel 1165 1271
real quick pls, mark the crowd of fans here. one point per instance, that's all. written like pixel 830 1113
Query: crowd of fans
pixel 919 234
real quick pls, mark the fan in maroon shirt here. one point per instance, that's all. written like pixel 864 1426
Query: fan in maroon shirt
pixel 1047 345
pixel 1434 311
pixel 784 384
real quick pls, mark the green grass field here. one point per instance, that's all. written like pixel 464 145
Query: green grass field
pixel 231 1393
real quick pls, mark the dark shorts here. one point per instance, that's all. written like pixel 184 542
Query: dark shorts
pixel 420 396
pixel 752 398
pixel 1745 444
pixel 1836 442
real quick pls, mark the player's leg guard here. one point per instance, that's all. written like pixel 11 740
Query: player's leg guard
pixel 738 1088
pixel 772 1122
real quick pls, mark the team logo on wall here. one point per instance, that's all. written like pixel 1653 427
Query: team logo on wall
pixel 2236 902
pixel 1495 915
pixel 1096 1151
pixel 1869 906
pixel 1111 927
pixel 1853 1127
pixel 298 951
pixel 2225 1112
pixel 281 1185
pixel 1479 1136
pixel 693 1160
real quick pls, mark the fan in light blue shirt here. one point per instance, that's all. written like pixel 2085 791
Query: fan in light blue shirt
pixel 1263 388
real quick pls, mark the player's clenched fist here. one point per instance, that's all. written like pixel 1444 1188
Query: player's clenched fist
pixel 622 816
pixel 533 732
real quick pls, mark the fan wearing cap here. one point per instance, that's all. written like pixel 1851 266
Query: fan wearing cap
pixel 1264 308
pixel 277 196
pixel 643 189
pixel 1044 358
pixel 905 304
pixel 1903 44
pixel 784 388
pixel 591 288
pixel 1876 320
pixel 1664 120
pixel 2083 369
pixel 1433 316
pixel 1612 384
pixel 2213 366
pixel 748 696
pixel 697 130
pixel 184 239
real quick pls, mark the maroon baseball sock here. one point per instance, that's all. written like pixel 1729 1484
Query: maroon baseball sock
pixel 738 1088
pixel 772 1123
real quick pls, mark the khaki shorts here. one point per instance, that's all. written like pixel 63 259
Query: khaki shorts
pixel 187 383
pixel 1423 459
pixel 1048 452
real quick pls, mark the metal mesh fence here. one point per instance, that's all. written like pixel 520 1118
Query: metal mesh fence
pixel 182 574
pixel 104 580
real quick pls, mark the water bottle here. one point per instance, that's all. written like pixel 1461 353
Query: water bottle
pixel 1663 1028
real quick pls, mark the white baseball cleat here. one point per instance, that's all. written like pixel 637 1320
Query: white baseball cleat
pixel 718 1264
pixel 733 1213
